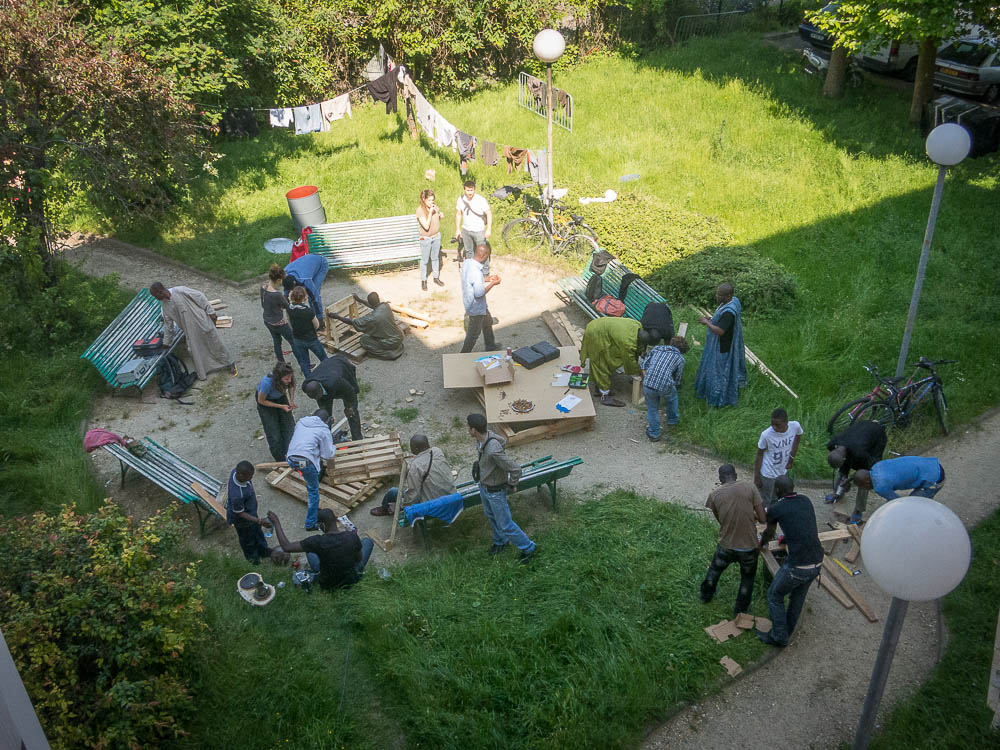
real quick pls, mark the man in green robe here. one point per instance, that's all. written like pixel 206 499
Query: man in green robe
pixel 610 343
pixel 380 336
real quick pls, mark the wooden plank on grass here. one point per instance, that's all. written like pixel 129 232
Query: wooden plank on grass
pixel 768 557
pixel 852 593
pixel 824 536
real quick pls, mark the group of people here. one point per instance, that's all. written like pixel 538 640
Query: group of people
pixel 648 346
pixel 856 455
pixel 336 555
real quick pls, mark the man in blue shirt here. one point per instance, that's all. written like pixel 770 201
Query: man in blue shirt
pixel 662 370
pixel 924 476
pixel 308 271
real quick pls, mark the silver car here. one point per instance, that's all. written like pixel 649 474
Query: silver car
pixel 970 67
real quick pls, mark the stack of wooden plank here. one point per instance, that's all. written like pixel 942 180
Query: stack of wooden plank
pixel 343 339
pixel 565 332
pixel 340 498
pixel 367 459
pixel 221 321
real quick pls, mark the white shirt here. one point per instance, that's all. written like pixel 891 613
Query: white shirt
pixel 777 447
pixel 473 212
pixel 473 287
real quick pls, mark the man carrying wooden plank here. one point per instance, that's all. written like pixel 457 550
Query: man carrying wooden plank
pixel 802 566
pixel 311 443
pixel 737 508
pixel 380 336
pixel 427 478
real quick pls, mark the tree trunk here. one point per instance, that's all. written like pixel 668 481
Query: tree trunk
pixel 923 83
pixel 836 73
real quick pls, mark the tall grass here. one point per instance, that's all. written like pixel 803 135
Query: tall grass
pixel 599 635
pixel 836 191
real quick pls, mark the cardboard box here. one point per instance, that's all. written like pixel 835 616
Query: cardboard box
pixel 496 370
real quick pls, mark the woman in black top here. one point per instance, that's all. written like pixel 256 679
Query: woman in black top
pixel 272 299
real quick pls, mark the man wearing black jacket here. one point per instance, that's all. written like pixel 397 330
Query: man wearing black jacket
pixel 805 558
pixel 860 446
pixel 336 378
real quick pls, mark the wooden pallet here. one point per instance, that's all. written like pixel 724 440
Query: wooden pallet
pixel 340 498
pixel 341 338
pixel 362 460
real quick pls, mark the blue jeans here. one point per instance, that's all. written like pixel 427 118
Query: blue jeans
pixel 311 477
pixel 277 333
pixel 389 497
pixel 430 251
pixel 301 348
pixel 497 512
pixel 669 394
pixel 793 583
pixel 359 568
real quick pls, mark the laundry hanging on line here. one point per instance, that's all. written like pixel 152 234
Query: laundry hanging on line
pixel 280 117
pixel 384 89
pixel 308 119
pixel 336 109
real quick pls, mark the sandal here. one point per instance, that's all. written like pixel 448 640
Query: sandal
pixel 378 510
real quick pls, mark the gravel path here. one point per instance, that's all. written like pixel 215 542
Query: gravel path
pixel 808 696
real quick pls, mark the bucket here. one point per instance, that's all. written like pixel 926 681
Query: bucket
pixel 305 207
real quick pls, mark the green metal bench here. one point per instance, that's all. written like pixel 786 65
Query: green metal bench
pixel 368 242
pixel 542 472
pixel 167 470
pixel 639 293
pixel 141 318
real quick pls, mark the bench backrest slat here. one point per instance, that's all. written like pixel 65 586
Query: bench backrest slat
pixel 367 242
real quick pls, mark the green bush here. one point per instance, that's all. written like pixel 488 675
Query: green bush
pixel 761 284
pixel 39 316
pixel 99 624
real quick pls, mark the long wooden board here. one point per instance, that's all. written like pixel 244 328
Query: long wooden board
pixel 768 557
pixel 558 329
pixel 831 569
pixel 831 585
pixel 209 500
pixel 824 536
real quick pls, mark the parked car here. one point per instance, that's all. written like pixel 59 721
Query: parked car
pixel 898 58
pixel 970 67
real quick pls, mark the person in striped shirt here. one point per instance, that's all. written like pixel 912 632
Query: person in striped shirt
pixel 662 370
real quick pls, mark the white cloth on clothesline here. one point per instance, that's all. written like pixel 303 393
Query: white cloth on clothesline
pixel 444 131
pixel 308 119
pixel 335 109
pixel 425 114
pixel 280 117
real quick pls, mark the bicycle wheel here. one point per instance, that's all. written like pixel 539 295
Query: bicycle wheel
pixel 941 405
pixel 863 408
pixel 579 247
pixel 523 234
pixel 581 228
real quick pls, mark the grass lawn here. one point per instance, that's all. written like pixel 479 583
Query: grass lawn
pixel 600 635
pixel 949 711
pixel 837 192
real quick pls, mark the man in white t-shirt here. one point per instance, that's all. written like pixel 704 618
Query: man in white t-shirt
pixel 776 451
pixel 473 219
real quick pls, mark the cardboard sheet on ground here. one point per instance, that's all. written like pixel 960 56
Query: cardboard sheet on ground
pixel 529 385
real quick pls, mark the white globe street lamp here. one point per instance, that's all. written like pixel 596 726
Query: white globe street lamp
pixel 548 47
pixel 947 145
pixel 917 550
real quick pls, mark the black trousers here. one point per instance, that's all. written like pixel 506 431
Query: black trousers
pixel 479 324
pixel 354 421
pixel 252 541
pixel 723 558
pixel 278 427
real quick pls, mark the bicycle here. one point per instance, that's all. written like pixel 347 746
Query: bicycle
pixel 567 235
pixel 891 404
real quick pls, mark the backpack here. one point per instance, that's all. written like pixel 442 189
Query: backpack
pixel 175 379
pixel 595 288
pixel 610 306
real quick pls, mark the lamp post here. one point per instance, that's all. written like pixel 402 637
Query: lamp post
pixel 917 550
pixel 947 145
pixel 548 47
